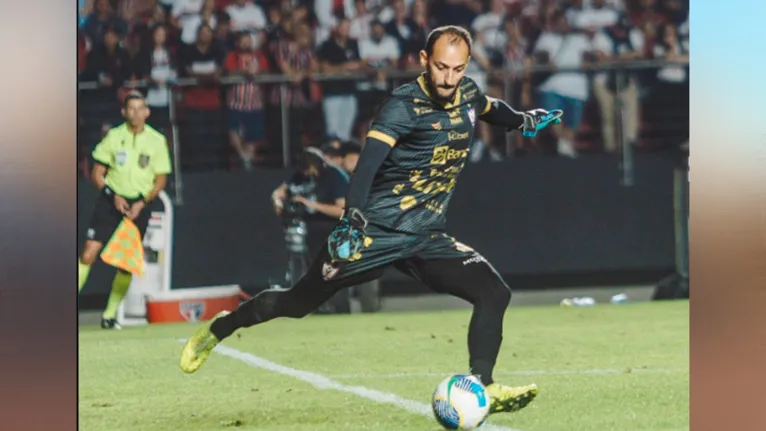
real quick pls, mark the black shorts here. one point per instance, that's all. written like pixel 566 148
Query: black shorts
pixel 106 218
pixel 384 248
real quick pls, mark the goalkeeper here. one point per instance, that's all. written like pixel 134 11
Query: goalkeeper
pixel 395 213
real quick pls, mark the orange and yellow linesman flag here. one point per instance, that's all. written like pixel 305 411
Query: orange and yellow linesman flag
pixel 125 249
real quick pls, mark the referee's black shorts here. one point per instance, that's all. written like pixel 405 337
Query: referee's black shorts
pixel 106 218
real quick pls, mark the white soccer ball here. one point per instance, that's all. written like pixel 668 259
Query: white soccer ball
pixel 460 402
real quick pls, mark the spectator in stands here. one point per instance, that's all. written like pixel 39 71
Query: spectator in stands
pixel 617 43
pixel 248 17
pixel 420 26
pixel 101 19
pixel 671 92
pixel 329 13
pixel 82 52
pixel 490 23
pixel 202 131
pixel 273 30
pixel 158 65
pixel 594 18
pixel 361 23
pixel 108 63
pixel 560 47
pixel 186 16
pixel 403 28
pixel 478 68
pixel 152 14
pixel 295 59
pixel 456 12
pixel 302 13
pixel 245 100
pixel 223 37
pixel 380 54
pixel 339 54
pixel 84 8
pixel 646 12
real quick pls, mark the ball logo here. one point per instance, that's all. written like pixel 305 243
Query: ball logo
pixel 192 311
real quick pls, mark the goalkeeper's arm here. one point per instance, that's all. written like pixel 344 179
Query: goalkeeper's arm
pixel 372 156
pixel 500 113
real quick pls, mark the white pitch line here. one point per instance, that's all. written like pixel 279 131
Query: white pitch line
pixel 613 371
pixel 323 382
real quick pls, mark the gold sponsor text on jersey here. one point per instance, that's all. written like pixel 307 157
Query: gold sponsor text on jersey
pixel 444 153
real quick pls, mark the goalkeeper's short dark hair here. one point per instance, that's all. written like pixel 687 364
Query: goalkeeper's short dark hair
pixel 453 32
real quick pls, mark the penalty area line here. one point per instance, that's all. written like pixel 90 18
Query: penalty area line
pixel 322 382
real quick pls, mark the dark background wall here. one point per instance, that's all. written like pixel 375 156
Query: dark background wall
pixel 540 221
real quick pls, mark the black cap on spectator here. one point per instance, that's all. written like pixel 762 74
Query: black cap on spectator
pixel 350 147
pixel 333 152
pixel 331 143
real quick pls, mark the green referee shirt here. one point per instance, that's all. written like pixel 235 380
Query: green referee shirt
pixel 134 160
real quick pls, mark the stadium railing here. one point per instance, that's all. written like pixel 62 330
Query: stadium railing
pixel 652 129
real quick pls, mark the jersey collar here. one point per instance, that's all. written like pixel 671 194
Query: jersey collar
pixel 424 86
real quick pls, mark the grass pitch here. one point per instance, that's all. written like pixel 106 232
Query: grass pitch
pixel 621 368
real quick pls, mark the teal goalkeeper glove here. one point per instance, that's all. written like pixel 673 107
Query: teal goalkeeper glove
pixel 538 119
pixel 347 239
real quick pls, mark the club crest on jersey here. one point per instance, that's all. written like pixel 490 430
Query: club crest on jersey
pixel 436 126
pixel 329 271
pixel 472 116
pixel 143 160
pixel 192 311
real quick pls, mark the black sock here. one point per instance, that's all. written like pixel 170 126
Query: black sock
pixel 295 302
pixel 483 370
pixel 485 335
pixel 259 309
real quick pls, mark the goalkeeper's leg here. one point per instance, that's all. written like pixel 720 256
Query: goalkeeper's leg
pixel 319 284
pixel 469 276
pixel 311 291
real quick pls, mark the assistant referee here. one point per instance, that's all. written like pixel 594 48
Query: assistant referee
pixel 131 167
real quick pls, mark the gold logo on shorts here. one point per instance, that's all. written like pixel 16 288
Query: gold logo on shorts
pixel 407 202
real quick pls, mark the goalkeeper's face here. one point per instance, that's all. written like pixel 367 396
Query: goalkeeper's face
pixel 446 66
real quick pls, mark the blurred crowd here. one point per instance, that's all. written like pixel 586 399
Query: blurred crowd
pixel 125 43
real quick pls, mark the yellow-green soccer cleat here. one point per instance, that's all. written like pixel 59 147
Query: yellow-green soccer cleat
pixel 198 347
pixel 510 399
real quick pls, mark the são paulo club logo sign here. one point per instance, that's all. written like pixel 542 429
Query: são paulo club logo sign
pixel 192 311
